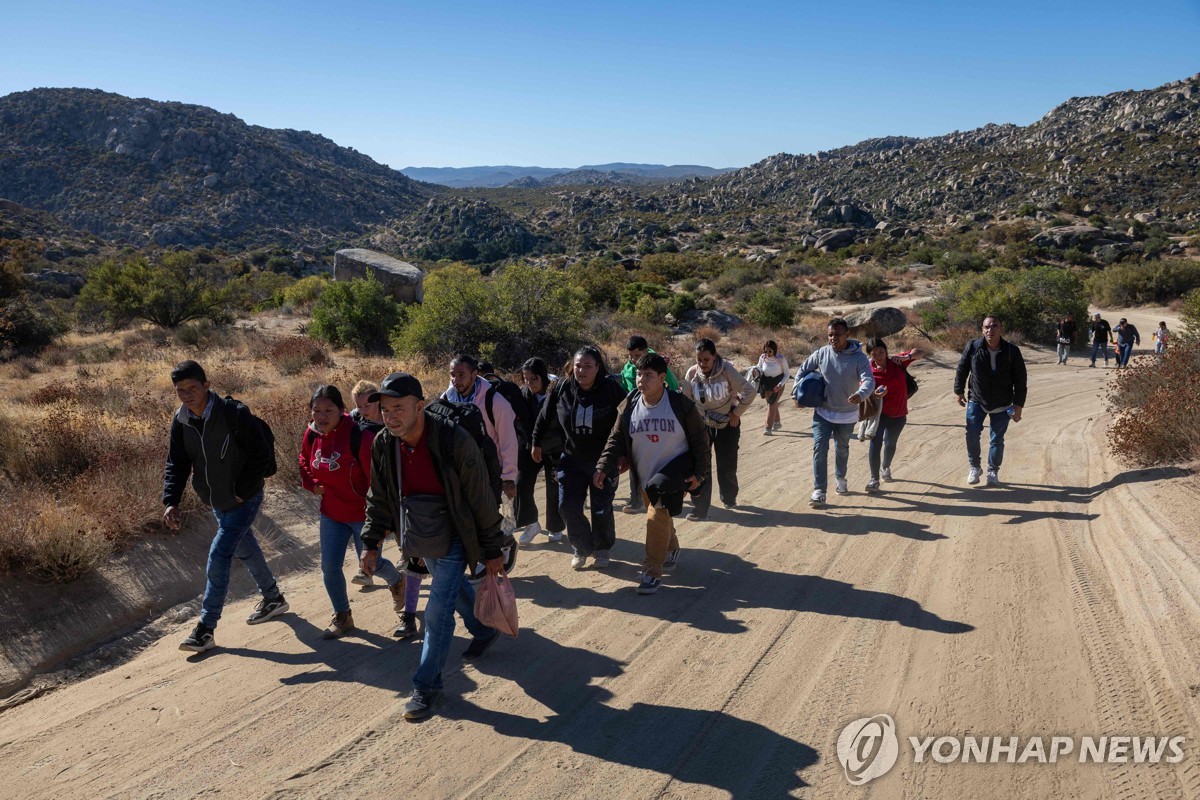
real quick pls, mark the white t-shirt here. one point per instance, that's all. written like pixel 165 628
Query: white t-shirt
pixel 772 367
pixel 657 436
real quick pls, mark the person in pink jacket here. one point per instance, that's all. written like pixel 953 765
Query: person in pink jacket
pixel 467 386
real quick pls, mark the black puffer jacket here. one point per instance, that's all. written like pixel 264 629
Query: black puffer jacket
pixel 1006 385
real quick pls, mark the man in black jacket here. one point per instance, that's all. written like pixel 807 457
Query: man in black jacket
pixel 991 374
pixel 222 447
pixel 663 441
pixel 429 482
pixel 1100 333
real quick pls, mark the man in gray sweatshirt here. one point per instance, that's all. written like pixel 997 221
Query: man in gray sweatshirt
pixel 848 382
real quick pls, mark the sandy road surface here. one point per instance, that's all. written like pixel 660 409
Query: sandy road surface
pixel 1065 603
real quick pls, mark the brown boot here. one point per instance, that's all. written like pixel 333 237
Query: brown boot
pixel 397 590
pixel 340 625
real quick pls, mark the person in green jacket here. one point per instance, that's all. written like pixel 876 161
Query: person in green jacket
pixel 637 347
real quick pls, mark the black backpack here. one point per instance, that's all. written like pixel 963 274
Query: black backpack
pixel 264 429
pixel 466 415
pixel 512 393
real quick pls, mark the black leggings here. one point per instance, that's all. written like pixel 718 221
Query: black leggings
pixel 525 505
pixel 885 439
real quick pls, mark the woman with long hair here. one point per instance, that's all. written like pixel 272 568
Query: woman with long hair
pixel 891 383
pixel 536 382
pixel 773 369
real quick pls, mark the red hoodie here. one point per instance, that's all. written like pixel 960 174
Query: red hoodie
pixel 326 460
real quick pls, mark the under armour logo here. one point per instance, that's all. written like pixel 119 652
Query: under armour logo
pixel 330 463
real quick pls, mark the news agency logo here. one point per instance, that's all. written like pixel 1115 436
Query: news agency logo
pixel 868 748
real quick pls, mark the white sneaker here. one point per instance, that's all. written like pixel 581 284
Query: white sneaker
pixel 530 533
pixel 993 478
pixel 818 499
pixel 362 579
pixel 602 559
pixel 556 536
pixel 973 475
pixel 841 487
pixel 578 562
pixel 886 473
pixel 872 485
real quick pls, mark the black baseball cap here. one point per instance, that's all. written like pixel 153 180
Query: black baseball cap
pixel 398 384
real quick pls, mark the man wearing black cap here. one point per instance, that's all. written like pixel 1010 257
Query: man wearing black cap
pixel 430 484
pixel 1125 336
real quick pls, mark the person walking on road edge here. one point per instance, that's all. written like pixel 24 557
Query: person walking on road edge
pixel 773 368
pixel 991 383
pixel 1125 337
pixel 636 347
pixel 1100 332
pixel 848 382
pixel 664 445
pixel 226 451
pixel 429 483
pixel 1065 336
pixel 723 394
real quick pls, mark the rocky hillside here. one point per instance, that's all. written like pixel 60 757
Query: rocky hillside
pixel 148 172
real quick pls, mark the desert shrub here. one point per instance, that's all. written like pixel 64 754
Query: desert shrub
pixel 1157 408
pixel 305 291
pixel 633 293
pixel 257 290
pixel 1029 301
pixel 600 280
pixel 771 308
pixel 1130 284
pixel 65 547
pixel 293 354
pixel 26 326
pixel 168 292
pixel 858 288
pixel 356 313
pixel 954 261
pixel 1189 312
pixel 690 284
pixel 731 280
pixel 453 317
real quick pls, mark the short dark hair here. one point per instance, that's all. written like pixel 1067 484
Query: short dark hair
pixel 652 361
pixel 706 345
pixel 486 367
pixel 188 370
pixel 463 358
pixel 327 392
pixel 636 342
pixel 993 317
pixel 838 321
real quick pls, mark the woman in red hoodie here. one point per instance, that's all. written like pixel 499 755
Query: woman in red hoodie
pixel 335 465
pixel 891 383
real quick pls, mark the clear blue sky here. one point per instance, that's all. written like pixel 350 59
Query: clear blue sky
pixel 569 82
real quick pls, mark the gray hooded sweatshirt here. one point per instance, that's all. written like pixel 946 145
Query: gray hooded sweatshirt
pixel 845 373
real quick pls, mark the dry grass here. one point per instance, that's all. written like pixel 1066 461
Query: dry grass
pixel 1157 408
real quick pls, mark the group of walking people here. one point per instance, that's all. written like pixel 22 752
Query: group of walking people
pixel 439 475
pixel 1100 335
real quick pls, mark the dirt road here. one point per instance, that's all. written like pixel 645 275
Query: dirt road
pixel 1064 603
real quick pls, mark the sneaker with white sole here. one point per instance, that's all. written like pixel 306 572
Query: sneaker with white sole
pixel 841 486
pixel 601 559
pixel 767 432
pixel 973 475
pixel 556 536
pixel 872 485
pixel 200 640
pixel 777 426
pixel 578 561
pixel 818 499
pixel 362 579
pixel 266 609
pixel 886 473
pixel 633 508
pixel 671 560
pixel 649 584
pixel 993 478
pixel 530 533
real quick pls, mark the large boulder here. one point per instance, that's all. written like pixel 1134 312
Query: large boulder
pixel 1066 236
pixel 869 322
pixel 721 320
pixel 405 282
pixel 836 239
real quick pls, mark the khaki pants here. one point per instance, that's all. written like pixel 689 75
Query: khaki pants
pixel 660 537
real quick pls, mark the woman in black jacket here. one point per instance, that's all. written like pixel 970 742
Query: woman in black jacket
pixel 536 382
pixel 582 409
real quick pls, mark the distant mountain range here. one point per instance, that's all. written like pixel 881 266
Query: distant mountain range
pixel 592 174
pixel 149 173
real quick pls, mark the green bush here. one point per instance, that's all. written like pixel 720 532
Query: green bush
pixel 857 288
pixel 257 290
pixel 771 308
pixel 1131 284
pixel 1190 314
pixel 632 294
pixel 601 280
pixel 690 284
pixel 356 313
pixel 26 327
pixel 1029 301
pixel 169 292
pixel 305 291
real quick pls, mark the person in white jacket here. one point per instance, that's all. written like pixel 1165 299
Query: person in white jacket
pixel 773 368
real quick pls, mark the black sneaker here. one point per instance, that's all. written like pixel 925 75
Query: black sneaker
pixel 408 627
pixel 649 584
pixel 200 640
pixel 479 646
pixel 671 560
pixel 420 705
pixel 267 609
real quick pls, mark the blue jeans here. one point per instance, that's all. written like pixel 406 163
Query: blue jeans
pixel 334 538
pixel 998 425
pixel 887 435
pixel 574 484
pixel 448 592
pixel 824 430
pixel 1098 348
pixel 234 538
pixel 1124 351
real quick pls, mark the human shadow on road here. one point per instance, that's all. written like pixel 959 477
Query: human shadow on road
pixel 359 657
pixel 709 589
pixel 830 522
pixel 987 501
pixel 702 746
pixel 1050 493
